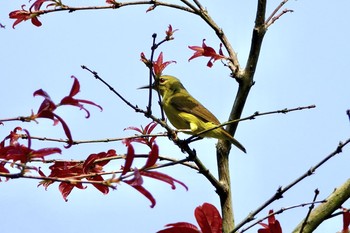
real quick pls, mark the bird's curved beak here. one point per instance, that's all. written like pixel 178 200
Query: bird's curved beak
pixel 153 86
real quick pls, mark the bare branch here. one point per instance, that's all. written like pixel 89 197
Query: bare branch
pixel 275 11
pixel 251 117
pixel 308 213
pixel 76 142
pixel 117 5
pixel 270 22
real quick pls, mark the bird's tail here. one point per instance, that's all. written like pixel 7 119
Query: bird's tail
pixel 238 145
pixel 234 142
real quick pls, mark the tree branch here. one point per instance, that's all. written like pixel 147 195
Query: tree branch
pixel 245 79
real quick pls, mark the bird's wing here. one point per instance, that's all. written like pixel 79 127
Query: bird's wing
pixel 193 107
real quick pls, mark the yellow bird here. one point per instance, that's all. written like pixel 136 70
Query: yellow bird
pixel 186 113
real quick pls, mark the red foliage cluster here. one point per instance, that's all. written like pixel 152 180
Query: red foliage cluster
pixel 17 152
pixel 137 180
pixel 158 66
pixel 273 225
pixel 72 174
pixel 206 51
pixel 75 172
pixel 32 13
pixel 170 32
pixel 47 107
pixel 208 219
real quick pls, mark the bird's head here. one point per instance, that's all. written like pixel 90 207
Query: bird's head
pixel 166 83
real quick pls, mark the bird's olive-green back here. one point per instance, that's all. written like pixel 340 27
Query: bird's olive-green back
pixel 174 93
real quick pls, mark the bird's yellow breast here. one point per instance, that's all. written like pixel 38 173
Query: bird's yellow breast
pixel 178 119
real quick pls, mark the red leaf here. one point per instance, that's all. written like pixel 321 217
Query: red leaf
pixel 75 87
pixel 41 153
pixel 159 65
pixel 3 169
pixel 163 177
pixel 47 104
pixel 150 127
pixel 180 227
pixel 346 221
pixel 206 51
pixel 129 159
pixel 66 188
pixel 153 156
pixel 144 131
pixel 37 4
pixel 170 32
pixel 66 131
pixel 36 22
pixel 69 100
pixel 273 225
pixel 208 218
pixel 147 194
pixel 134 128
pixel 91 166
pixel 102 188
pixel 136 183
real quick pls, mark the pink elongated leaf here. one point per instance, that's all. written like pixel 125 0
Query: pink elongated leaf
pixel 42 93
pixel 144 131
pixel 136 180
pixel 4 170
pixel 47 104
pixel 66 131
pixel 150 127
pixel 152 156
pixel 273 225
pixel 70 100
pixel 129 159
pixel 163 177
pixel 180 227
pixel 41 153
pixel 75 87
pixel 100 187
pixel 159 65
pixel 346 221
pixel 208 218
pixel 136 183
pixel 90 164
pixel 66 189
pixel 134 128
pixel 147 194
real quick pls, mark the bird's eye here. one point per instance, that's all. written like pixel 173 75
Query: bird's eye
pixel 161 80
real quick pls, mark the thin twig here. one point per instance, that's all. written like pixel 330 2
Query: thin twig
pixel 114 6
pixel 19 118
pixel 76 142
pixel 309 212
pixel 275 11
pixel 192 7
pixel 251 117
pixel 152 78
pixel 151 75
pixel 269 23
pixel 111 88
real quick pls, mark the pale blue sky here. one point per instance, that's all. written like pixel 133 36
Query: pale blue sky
pixel 304 60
